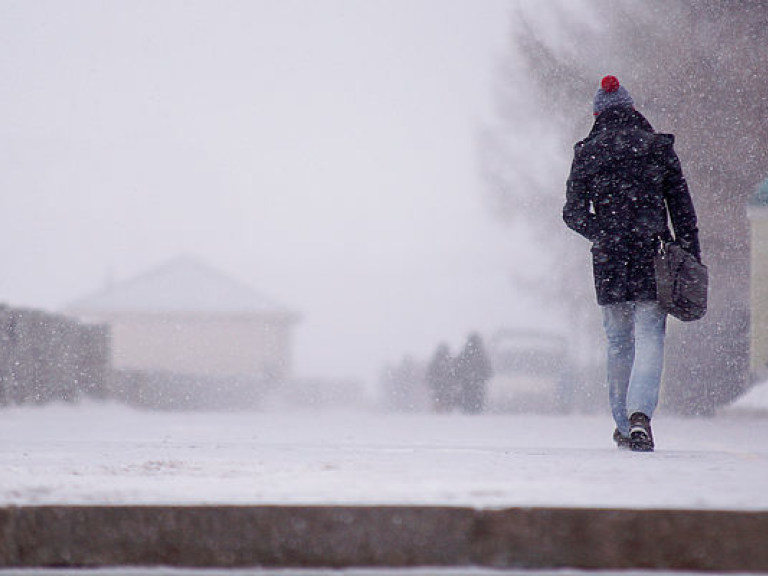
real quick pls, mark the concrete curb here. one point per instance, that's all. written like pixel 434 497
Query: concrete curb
pixel 382 536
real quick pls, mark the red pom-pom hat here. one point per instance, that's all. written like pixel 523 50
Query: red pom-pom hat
pixel 610 94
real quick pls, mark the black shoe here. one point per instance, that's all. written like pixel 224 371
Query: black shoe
pixel 621 440
pixel 640 435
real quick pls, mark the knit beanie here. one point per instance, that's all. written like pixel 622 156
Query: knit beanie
pixel 610 94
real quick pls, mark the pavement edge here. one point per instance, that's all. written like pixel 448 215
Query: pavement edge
pixel 382 536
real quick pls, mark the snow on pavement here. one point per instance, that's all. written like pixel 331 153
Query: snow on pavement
pixel 111 454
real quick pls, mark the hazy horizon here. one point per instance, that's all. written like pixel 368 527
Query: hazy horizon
pixel 325 153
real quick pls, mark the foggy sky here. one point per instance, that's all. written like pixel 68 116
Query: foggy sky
pixel 324 152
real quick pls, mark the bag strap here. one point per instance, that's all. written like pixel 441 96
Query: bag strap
pixel 662 245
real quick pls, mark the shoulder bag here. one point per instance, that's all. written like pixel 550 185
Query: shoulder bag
pixel 682 282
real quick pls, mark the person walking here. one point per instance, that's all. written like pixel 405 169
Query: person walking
pixel 625 185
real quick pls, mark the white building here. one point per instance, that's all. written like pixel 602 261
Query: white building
pixel 758 219
pixel 189 319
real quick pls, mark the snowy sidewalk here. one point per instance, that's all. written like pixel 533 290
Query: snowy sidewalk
pixel 107 454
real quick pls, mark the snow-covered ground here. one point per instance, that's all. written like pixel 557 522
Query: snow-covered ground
pixel 111 454
pixel 753 402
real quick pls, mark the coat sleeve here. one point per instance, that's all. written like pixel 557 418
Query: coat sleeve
pixel 577 212
pixel 679 202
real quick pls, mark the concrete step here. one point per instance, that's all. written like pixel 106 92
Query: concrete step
pixel 382 536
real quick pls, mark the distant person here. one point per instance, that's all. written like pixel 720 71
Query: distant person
pixel 625 181
pixel 473 370
pixel 441 380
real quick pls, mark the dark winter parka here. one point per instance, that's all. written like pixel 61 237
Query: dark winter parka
pixel 625 184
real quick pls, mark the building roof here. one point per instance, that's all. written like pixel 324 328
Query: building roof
pixel 183 285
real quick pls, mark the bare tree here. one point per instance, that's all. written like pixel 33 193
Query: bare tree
pixel 695 68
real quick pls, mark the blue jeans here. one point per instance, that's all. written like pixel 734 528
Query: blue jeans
pixel 635 332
